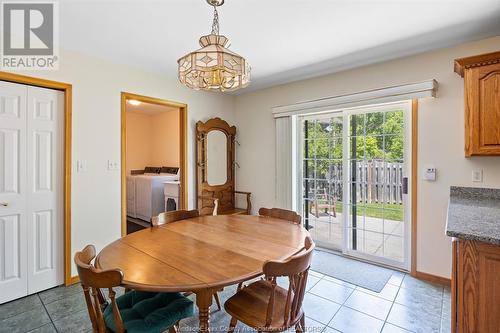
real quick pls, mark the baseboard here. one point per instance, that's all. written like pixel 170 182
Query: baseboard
pixel 432 278
pixel 73 280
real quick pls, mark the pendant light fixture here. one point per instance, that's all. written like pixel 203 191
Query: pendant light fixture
pixel 214 67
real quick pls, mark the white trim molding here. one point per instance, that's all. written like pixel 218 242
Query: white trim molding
pixel 384 95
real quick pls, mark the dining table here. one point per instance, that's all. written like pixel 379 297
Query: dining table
pixel 201 255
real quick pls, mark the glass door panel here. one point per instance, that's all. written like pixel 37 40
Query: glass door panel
pixel 376 225
pixel 322 189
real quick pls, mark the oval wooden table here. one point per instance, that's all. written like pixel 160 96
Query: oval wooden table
pixel 201 254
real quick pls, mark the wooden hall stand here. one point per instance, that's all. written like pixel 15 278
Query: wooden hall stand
pixel 215 164
pixel 195 254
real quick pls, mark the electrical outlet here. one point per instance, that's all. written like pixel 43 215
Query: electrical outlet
pixel 477 175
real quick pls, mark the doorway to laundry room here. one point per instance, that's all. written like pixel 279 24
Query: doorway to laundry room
pixel 153 159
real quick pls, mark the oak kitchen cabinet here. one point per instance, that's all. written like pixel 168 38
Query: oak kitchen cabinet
pixel 473 216
pixel 475 287
pixel 481 75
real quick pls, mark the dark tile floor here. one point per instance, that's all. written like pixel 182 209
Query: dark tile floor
pixel 404 305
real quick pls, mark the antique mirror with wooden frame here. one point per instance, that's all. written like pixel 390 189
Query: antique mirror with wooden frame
pixel 215 153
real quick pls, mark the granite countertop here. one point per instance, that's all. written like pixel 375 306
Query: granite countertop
pixel 474 214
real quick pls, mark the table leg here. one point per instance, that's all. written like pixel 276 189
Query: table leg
pixel 203 301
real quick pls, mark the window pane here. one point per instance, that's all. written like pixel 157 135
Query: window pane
pixel 308 169
pixel 357 125
pixel 322 148
pixel 374 147
pixel 323 169
pixel 394 122
pixel 309 129
pixel 394 147
pixel 374 243
pixel 309 150
pixel 336 149
pixel 374 123
pixel 356 212
pixel 393 212
pixel 336 126
pixel 394 248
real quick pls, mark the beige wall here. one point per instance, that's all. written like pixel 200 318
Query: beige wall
pixel 139 150
pixel 152 140
pixel 165 147
pixel 441 140
pixel 97 85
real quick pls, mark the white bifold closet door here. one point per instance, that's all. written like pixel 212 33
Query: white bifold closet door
pixel 31 189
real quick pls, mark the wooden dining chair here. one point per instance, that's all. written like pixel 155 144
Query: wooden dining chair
pixel 283 214
pixel 135 311
pixel 174 215
pixel 178 215
pixel 267 307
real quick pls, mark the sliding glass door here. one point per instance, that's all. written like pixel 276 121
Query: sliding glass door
pixel 355 168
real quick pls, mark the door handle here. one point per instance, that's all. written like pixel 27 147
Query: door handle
pixel 4 204
pixel 405 185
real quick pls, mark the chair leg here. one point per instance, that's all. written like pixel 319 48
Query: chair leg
pixel 174 329
pixel 301 325
pixel 217 301
pixel 232 325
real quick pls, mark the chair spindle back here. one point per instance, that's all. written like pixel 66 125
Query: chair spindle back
pixel 174 215
pixel 296 268
pixel 279 213
pixel 92 280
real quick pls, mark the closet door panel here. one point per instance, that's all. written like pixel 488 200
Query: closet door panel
pixel 45 187
pixel 13 254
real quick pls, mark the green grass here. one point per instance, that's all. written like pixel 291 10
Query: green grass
pixel 385 211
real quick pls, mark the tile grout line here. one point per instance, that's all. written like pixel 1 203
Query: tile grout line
pixel 47 311
pixel 340 306
pixel 392 304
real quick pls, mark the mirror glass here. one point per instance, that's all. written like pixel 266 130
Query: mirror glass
pixel 216 158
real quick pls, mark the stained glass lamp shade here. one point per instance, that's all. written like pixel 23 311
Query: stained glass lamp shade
pixel 214 67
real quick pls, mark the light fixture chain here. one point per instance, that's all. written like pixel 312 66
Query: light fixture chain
pixel 215 24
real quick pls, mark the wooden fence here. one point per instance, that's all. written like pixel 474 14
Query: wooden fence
pixel 376 182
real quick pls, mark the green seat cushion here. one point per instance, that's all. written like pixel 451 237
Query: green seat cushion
pixel 149 312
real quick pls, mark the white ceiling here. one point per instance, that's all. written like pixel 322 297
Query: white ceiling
pixel 284 40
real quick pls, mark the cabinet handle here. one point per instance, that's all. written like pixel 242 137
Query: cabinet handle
pixel 4 204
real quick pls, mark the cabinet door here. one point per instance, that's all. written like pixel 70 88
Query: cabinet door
pixel 489 288
pixel 478 287
pixel 483 110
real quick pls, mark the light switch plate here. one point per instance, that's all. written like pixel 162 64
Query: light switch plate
pixel 477 175
pixel 81 166
pixel 112 165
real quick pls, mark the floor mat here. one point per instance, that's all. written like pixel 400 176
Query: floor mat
pixel 353 271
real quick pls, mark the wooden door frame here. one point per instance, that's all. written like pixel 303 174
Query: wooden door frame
pixel 183 109
pixel 414 181
pixel 67 89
